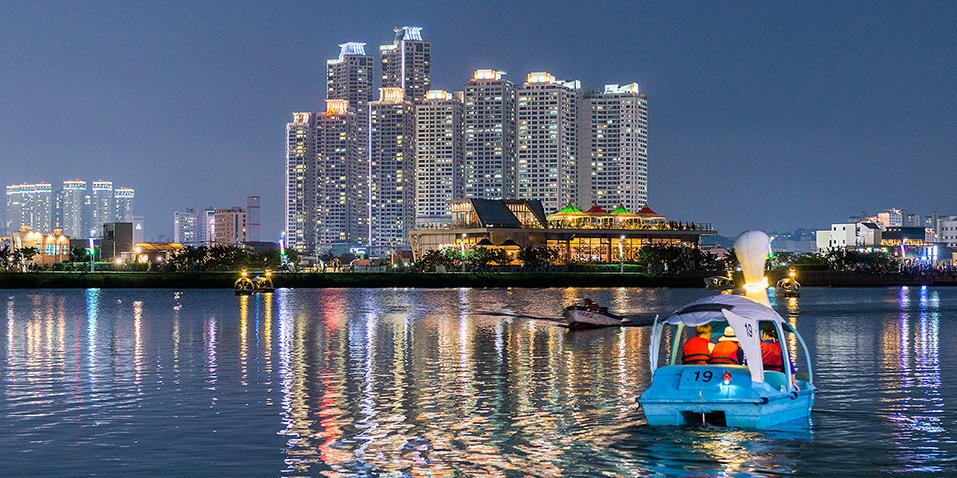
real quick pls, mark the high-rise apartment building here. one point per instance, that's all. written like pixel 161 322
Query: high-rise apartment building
pixel 71 206
pixel 206 230
pixel 123 204
pixel 350 77
pixel 392 171
pixel 30 205
pixel 546 157
pixel 335 192
pixel 254 218
pixel 185 227
pixel 300 183
pixel 489 136
pixel 229 226
pixel 407 63
pixel 439 158
pixel 617 122
pixel 103 207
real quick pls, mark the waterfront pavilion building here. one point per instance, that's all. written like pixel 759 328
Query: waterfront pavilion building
pixel 592 236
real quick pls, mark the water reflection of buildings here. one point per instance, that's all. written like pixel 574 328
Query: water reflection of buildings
pixel 912 400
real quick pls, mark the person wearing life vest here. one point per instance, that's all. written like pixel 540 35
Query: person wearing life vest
pixel 771 354
pixel 727 352
pixel 697 349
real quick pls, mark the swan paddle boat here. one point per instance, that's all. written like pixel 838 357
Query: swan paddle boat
pixel 745 396
pixel 244 285
pixel 788 286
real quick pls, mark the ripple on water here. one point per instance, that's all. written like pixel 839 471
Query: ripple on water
pixel 418 382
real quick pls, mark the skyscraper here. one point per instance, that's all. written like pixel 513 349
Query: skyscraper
pixel 123 204
pixel 335 191
pixel 300 184
pixel 30 205
pixel 407 63
pixel 439 157
pixel 350 78
pixel 206 226
pixel 392 171
pixel 618 147
pixel 185 227
pixel 546 165
pixel 102 205
pixel 72 219
pixel 254 218
pixel 489 136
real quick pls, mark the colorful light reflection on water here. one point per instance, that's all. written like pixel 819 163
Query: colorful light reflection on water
pixel 360 382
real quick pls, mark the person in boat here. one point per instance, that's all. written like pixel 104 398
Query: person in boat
pixel 771 354
pixel 697 349
pixel 590 305
pixel 727 351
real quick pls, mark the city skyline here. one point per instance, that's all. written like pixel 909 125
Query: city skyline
pixel 760 115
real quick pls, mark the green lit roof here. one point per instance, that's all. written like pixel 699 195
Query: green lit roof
pixel 569 209
pixel 621 209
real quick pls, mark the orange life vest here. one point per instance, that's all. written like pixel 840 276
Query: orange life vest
pixel 725 353
pixel 771 356
pixel 695 351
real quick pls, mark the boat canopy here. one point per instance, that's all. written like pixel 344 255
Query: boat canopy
pixel 707 309
pixel 741 313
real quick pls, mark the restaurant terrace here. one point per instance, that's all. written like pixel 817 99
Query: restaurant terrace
pixel 593 235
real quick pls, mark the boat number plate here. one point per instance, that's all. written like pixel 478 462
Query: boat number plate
pixel 698 378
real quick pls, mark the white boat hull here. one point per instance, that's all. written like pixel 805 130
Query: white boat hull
pixel 576 317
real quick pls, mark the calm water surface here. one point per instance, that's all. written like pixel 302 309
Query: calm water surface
pixel 422 382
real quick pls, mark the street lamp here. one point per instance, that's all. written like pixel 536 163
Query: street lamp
pixel 92 250
pixel 463 252
pixel 621 254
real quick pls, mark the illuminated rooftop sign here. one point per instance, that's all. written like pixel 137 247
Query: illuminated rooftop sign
pixel 631 88
pixel 335 107
pixel 391 95
pixel 486 74
pixel 351 48
pixel 412 33
pixel 540 77
pixel 440 95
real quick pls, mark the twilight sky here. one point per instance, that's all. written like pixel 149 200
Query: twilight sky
pixel 772 115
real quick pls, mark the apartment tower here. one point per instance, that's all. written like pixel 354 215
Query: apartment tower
pixel 489 136
pixel 407 63
pixel 617 120
pixel 439 158
pixel 350 77
pixel 71 208
pixel 300 185
pixel 546 163
pixel 335 192
pixel 392 171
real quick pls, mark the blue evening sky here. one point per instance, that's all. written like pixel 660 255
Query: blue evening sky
pixel 762 114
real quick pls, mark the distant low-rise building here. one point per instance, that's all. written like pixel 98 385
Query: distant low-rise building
pixel 849 235
pixel 52 247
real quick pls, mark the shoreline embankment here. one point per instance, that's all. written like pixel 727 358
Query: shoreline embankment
pixel 224 280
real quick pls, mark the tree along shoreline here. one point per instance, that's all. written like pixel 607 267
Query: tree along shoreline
pixel 224 280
